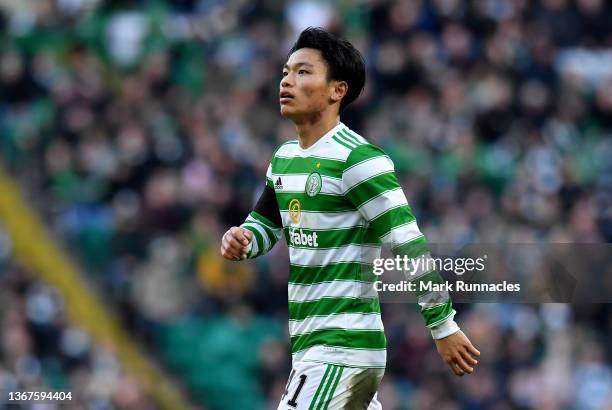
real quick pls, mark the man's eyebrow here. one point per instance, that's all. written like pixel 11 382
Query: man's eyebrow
pixel 296 65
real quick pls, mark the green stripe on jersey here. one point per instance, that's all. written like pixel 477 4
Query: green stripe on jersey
pixel 414 248
pixel 333 389
pixel 343 142
pixel 256 237
pixel 305 165
pixel 362 153
pixel 329 382
pixel 350 138
pixel 321 384
pixel 392 218
pixel 438 314
pixel 330 306
pixel 309 275
pixel 372 187
pixel 355 339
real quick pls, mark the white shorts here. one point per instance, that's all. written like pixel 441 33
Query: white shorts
pixel 320 386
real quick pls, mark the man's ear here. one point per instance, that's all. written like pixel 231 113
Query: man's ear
pixel 340 88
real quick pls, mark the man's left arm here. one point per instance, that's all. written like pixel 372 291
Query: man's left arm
pixel 371 185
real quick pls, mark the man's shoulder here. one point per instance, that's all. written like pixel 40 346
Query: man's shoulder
pixel 347 138
pixel 363 153
pixel 353 146
pixel 284 148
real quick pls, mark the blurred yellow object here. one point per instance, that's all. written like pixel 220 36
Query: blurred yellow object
pixel 222 277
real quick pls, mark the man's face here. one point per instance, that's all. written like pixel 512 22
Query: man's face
pixel 304 88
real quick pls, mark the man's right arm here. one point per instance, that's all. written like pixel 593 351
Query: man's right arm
pixel 264 222
pixel 261 229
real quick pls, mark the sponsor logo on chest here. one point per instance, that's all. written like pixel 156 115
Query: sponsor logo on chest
pixel 298 237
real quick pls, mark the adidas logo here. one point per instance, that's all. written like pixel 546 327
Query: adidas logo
pixel 278 184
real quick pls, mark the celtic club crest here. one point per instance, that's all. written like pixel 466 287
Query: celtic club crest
pixel 313 184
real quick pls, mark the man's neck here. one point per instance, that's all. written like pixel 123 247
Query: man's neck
pixel 310 131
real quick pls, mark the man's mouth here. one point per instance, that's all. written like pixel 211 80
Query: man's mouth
pixel 285 97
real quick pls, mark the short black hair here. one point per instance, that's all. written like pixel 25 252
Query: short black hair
pixel 344 61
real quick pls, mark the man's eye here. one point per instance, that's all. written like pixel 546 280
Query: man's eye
pixel 284 73
pixel 302 72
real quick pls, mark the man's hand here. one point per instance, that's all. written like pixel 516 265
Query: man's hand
pixel 234 243
pixel 458 353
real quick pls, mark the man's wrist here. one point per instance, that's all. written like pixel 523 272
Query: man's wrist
pixel 446 328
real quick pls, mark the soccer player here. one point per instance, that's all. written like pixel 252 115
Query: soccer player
pixel 336 199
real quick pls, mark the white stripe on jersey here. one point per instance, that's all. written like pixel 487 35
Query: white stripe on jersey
pixel 353 321
pixel 297 183
pixel 346 253
pixel 345 356
pixel 335 289
pixel 366 169
pixel 383 202
pixel 325 220
pixel 402 234
pixel 433 297
pixel 286 148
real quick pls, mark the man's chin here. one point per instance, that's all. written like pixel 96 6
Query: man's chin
pixel 287 112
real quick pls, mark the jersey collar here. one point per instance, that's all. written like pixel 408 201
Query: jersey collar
pixel 321 141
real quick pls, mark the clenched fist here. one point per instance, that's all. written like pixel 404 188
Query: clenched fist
pixel 235 243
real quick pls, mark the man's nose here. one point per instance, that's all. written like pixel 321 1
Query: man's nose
pixel 286 81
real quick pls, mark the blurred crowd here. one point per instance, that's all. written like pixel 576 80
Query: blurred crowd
pixel 141 130
pixel 41 351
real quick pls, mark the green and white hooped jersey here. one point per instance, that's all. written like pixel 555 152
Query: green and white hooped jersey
pixel 339 201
